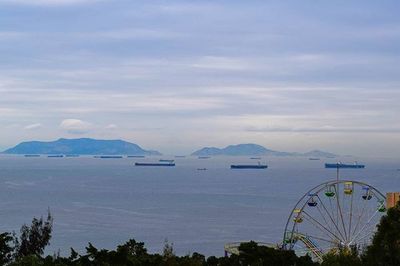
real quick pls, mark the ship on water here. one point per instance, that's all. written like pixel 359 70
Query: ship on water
pixel 109 156
pixel 343 165
pixel 155 164
pixel 55 156
pixel 32 155
pixel 166 160
pixel 249 166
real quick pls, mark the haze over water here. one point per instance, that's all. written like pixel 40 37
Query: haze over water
pixel 108 201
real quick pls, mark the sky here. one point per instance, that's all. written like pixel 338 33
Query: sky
pixel 179 75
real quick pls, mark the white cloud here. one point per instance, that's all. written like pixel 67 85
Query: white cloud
pixel 221 63
pixel 75 126
pixel 33 126
pixel 12 35
pixel 186 7
pixel 325 129
pixel 111 126
pixel 47 2
pixel 183 66
pixel 132 34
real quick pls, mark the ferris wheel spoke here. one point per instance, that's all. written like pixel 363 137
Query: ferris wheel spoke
pixel 371 225
pixel 351 212
pixel 331 218
pixel 365 219
pixel 320 226
pixel 323 217
pixel 358 239
pixel 333 215
pixel 340 212
pixel 343 205
pixel 359 217
pixel 369 221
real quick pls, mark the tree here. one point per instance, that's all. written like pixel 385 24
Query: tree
pixel 34 238
pixel 169 257
pixel 343 257
pixel 385 247
pixel 133 248
pixel 6 248
pixel 252 254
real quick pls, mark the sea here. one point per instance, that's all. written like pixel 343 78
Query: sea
pixel 109 201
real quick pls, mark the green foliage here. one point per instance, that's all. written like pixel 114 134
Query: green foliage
pixel 34 238
pixel 28 248
pixel 343 257
pixel 385 247
pixel 30 260
pixel 6 248
pixel 254 255
pixel 132 253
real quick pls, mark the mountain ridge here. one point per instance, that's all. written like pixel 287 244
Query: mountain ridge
pixel 90 146
pixel 80 146
pixel 251 149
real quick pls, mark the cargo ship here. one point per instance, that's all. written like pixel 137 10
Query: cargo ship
pixel 204 157
pixel 343 165
pixel 135 156
pixel 109 157
pixel 166 160
pixel 32 155
pixel 249 166
pixel 154 164
pixel 55 156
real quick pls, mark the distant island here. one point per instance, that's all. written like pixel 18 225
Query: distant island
pixel 251 149
pixel 81 146
pixel 89 146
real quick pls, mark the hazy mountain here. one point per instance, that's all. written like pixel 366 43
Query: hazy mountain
pixel 318 153
pixel 237 150
pixel 253 150
pixel 208 151
pixel 84 146
pixel 245 149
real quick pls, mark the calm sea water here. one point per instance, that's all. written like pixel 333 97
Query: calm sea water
pixel 108 201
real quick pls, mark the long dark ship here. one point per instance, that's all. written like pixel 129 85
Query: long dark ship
pixel 166 161
pixel 249 166
pixel 154 164
pixel 343 165
pixel 109 156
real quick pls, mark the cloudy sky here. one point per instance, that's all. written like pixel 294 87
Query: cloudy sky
pixel 179 75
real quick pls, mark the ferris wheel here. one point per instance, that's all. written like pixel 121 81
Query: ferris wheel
pixel 334 215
